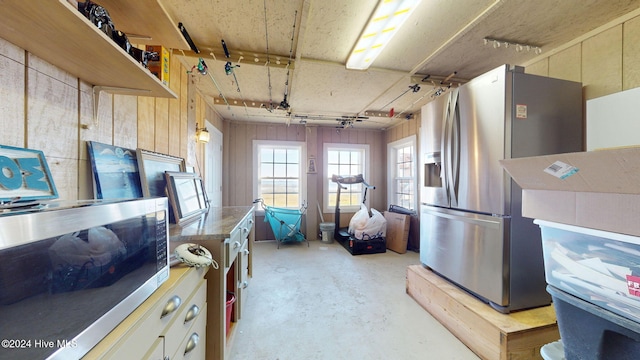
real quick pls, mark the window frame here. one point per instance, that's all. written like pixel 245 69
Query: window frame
pixel 392 149
pixel 301 146
pixel 364 148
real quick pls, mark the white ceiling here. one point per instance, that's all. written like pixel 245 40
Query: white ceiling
pixel 440 38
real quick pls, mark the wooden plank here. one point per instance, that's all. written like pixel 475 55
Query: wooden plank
pixel 148 19
pixel 488 333
pixel 68 40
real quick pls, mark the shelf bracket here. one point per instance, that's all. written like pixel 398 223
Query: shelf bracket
pixel 113 90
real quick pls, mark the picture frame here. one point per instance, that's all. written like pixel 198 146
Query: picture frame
pixel 186 195
pixel 115 171
pixel 152 166
pixel 25 176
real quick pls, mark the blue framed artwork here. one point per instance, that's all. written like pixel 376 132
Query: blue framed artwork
pixel 24 175
pixel 115 172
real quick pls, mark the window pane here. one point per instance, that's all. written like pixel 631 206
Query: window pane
pixel 266 155
pixel 293 170
pixel 333 170
pixel 293 156
pixel 280 170
pixel 280 155
pixel 266 170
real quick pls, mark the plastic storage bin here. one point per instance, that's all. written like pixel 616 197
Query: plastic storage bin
pixel 589 332
pixel 231 298
pixel 600 267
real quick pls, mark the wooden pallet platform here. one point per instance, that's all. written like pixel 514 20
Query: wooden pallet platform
pixel 488 333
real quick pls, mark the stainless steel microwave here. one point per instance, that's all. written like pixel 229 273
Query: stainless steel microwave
pixel 71 272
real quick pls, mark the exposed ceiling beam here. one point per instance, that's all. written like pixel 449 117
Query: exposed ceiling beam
pixel 240 57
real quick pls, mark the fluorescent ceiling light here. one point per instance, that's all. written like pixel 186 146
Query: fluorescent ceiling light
pixel 383 25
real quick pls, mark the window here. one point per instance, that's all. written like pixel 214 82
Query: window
pixel 279 169
pixel 344 160
pixel 402 176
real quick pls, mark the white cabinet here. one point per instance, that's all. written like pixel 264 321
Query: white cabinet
pixel 162 327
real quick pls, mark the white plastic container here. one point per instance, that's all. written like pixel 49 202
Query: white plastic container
pixel 600 267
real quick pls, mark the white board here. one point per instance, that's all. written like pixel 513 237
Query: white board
pixel 614 120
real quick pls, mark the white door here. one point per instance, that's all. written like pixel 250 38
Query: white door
pixel 213 166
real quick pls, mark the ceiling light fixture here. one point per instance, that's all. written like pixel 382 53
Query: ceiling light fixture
pixel 382 26
pixel 518 46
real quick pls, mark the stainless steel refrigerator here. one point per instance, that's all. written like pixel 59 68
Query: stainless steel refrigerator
pixel 471 228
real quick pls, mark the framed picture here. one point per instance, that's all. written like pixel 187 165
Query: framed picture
pixel 152 167
pixel 24 176
pixel 186 195
pixel 115 172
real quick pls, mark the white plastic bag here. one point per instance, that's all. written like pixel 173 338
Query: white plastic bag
pixel 359 219
pixel 375 227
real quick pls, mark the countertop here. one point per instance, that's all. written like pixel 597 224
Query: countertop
pixel 215 224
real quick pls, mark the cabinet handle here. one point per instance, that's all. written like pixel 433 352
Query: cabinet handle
pixel 193 312
pixel 245 251
pixel 251 221
pixel 172 305
pixel 245 284
pixel 192 343
pixel 236 244
pixel 245 230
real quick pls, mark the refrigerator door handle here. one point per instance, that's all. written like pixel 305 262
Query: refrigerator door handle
pixel 455 147
pixel 491 224
pixel 445 148
pixel 449 145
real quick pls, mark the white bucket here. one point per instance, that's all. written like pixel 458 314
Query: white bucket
pixel 327 230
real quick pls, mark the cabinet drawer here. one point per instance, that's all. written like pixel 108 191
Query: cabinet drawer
pixel 191 312
pixel 146 331
pixel 233 246
pixel 193 345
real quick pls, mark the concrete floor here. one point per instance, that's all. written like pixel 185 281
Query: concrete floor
pixel 320 302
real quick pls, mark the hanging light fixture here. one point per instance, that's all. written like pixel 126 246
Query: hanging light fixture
pixel 382 26
pixel 202 135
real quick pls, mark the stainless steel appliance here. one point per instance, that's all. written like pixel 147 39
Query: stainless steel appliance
pixel 472 231
pixel 71 271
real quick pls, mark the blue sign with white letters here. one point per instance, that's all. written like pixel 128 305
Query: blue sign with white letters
pixel 24 175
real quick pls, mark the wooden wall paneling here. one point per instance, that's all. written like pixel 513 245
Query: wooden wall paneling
pixel 12 99
pixel 244 174
pixel 602 63
pixel 52 113
pixel 272 132
pixel 162 125
pixel 631 54
pixel 539 67
pixel 175 139
pixel 125 121
pixel 226 163
pixel 567 64
pixel 146 123
pixel 192 103
pixel 183 77
pixel 313 197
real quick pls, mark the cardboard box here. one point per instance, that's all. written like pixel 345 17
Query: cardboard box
pixel 397 231
pixel 159 65
pixel 595 189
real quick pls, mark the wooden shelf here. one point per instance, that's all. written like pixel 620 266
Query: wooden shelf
pixel 56 32
pixel 147 19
